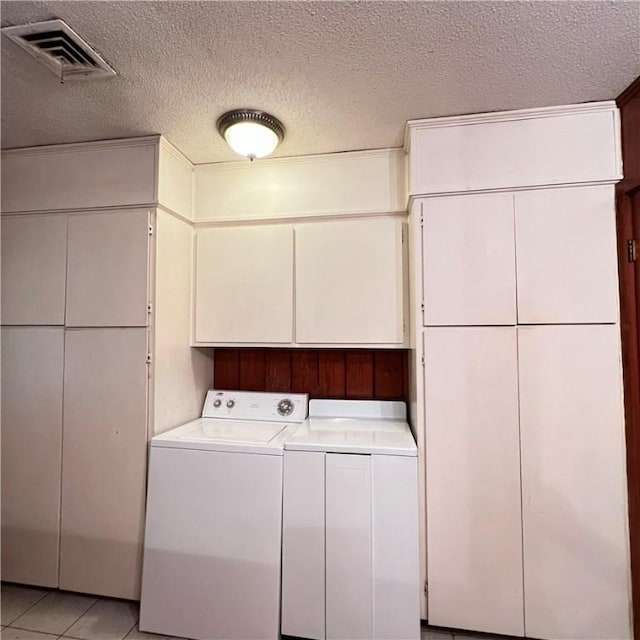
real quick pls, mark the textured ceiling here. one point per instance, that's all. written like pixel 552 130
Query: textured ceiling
pixel 340 75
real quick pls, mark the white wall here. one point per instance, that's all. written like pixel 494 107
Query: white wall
pixel 182 374
pixel 355 183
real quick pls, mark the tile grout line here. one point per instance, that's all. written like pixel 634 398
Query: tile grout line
pixel 28 608
pixel 135 624
pixel 93 604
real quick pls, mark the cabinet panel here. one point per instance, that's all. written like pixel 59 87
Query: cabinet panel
pixel 566 256
pixel 396 580
pixel 349 282
pixel 104 452
pixel 469 260
pixel 34 262
pixel 107 269
pixel 349 594
pixel 576 559
pixel 510 149
pixel 303 544
pixel 32 363
pixel 474 536
pixel 244 284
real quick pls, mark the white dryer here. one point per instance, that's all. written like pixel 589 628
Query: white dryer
pixel 350 564
pixel 212 551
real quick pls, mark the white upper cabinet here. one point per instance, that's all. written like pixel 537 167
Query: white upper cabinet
pixel 469 260
pixel 349 281
pixel 107 272
pixel 576 546
pixel 32 361
pixel 34 255
pixel 109 173
pixel 566 256
pixel 474 534
pixel 244 284
pixel 510 149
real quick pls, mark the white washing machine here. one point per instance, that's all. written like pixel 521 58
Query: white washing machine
pixel 212 553
pixel 350 558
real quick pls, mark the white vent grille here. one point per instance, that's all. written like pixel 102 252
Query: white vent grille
pixel 61 49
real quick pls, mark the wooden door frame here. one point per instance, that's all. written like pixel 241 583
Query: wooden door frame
pixel 628 191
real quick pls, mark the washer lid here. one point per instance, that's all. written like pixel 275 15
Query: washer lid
pixel 232 436
pixel 354 435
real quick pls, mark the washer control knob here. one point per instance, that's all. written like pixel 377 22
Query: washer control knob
pixel 231 404
pixel 285 407
pixel 217 402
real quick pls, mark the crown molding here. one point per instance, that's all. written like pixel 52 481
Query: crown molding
pixel 315 216
pixel 412 197
pixel 172 150
pixel 115 143
pixel 265 163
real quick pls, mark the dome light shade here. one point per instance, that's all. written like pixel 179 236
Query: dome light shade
pixel 251 133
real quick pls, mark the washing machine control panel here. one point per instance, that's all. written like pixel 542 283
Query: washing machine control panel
pixel 250 405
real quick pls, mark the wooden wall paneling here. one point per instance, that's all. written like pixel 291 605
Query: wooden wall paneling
pixel 628 207
pixel 278 370
pixel 629 104
pixel 359 365
pixel 633 423
pixel 332 373
pixel 304 372
pixel 226 364
pixel 359 374
pixel 253 370
pixel 388 374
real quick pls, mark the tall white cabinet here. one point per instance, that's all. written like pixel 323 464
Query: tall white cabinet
pixel 518 372
pixel 95 356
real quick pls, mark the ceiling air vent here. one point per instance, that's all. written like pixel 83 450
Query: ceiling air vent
pixel 61 49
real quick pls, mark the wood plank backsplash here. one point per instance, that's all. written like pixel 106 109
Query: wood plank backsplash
pixel 352 374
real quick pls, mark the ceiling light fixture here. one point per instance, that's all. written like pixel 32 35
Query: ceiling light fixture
pixel 251 133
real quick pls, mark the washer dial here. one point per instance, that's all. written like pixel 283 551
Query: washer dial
pixel 285 407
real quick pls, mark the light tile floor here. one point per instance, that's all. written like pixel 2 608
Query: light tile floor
pixel 42 614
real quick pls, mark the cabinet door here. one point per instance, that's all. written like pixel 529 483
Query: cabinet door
pixel 34 262
pixel 107 269
pixel 469 260
pixel 396 573
pixel 349 570
pixel 303 545
pixel 474 536
pixel 104 454
pixel 576 558
pixel 567 262
pixel 349 282
pixel 244 284
pixel 31 453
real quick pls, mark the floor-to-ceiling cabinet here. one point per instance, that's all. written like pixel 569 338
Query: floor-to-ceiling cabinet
pixel 520 379
pixel 91 369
